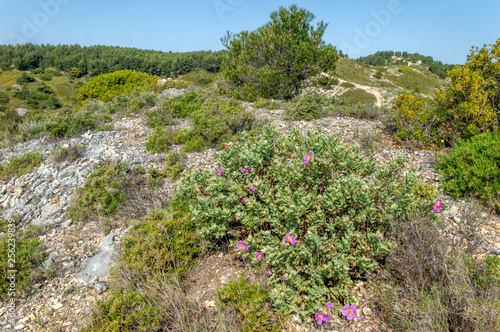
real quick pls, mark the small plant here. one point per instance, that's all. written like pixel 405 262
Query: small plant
pixel 70 153
pixel 473 169
pixel 102 194
pixel 104 127
pixel 368 138
pixel 28 255
pixel 155 177
pixel 174 165
pixel 358 110
pixel 307 106
pixel 406 70
pixel 252 305
pixel 160 140
pixel 378 75
pixel 357 96
pixel 72 123
pixel 20 165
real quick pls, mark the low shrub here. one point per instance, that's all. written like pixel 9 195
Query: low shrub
pixel 105 87
pixel 406 70
pixel 70 153
pixel 433 283
pixel 252 305
pixel 313 207
pixel 136 101
pixel 20 165
pixel 73 123
pixel 378 75
pixel 472 168
pixel 268 104
pixel 155 178
pixel 413 117
pixel 307 106
pixel 358 110
pixel 103 192
pixel 174 165
pixel 347 85
pixel 26 255
pixel 357 96
pixel 160 140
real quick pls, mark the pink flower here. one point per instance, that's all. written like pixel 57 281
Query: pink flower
pixel 243 201
pixel 227 146
pixel 290 238
pixel 268 272
pixel 284 277
pixel 252 189
pixel 329 308
pixel 321 318
pixel 242 245
pixel 307 158
pixel 362 318
pixel 245 170
pixel 219 171
pixel 438 205
pixel 350 311
pixel 259 256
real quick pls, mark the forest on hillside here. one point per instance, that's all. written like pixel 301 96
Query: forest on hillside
pixel 96 60
pixel 382 58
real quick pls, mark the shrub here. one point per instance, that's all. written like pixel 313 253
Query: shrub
pixel 473 169
pixel 406 70
pixel 155 177
pixel 378 74
pixel 72 123
pixel 103 192
pixel 469 106
pixel 347 85
pixel 20 165
pixel 432 283
pixel 160 140
pixel 24 78
pixel 336 204
pixel 358 110
pixel 268 104
pixel 70 153
pixel 273 60
pixel 4 98
pixel 28 255
pixel 307 106
pixel 252 305
pixel 357 96
pixel 413 118
pixel 32 128
pixel 135 102
pixel 174 165
pixel 107 86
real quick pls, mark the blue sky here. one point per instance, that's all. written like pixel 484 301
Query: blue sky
pixel 445 30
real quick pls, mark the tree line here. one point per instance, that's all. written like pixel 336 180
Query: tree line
pixel 96 60
pixel 383 57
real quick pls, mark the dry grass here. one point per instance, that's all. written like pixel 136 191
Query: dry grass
pixel 429 287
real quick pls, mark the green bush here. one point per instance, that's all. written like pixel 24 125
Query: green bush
pixel 20 165
pixel 107 86
pixel 103 192
pixel 174 165
pixel 71 123
pixel 336 204
pixel 155 177
pixel 252 305
pixel 473 169
pixel 484 272
pixel 272 61
pixel 24 78
pixel 28 255
pixel 407 70
pixel 347 85
pixel 378 74
pixel 357 96
pixel 4 98
pixel 160 140
pixel 135 102
pixel 307 106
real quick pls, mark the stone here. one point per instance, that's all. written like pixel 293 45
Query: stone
pixel 98 265
pixel 367 312
pixel 18 191
pixel 67 223
pixel 209 304
pixel 21 111
pixel 99 286
pixel 58 305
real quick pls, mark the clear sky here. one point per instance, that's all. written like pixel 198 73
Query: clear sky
pixel 446 30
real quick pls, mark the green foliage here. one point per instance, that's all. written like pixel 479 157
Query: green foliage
pixel 107 86
pixel 174 165
pixel 336 206
pixel 23 257
pixel 407 70
pixel 484 272
pixel 378 74
pixel 358 110
pixel 307 106
pixel 347 85
pixel 96 60
pixel 104 127
pixel 268 104
pixel 20 165
pixel 103 192
pixel 72 123
pixel 155 177
pixel 355 96
pixel 135 102
pixel 156 248
pixel 252 305
pixel 473 169
pixel 24 78
pixel 326 81
pixel 160 140
pixel 70 153
pixel 200 77
pixel 469 106
pixel 4 98
pixel 273 60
